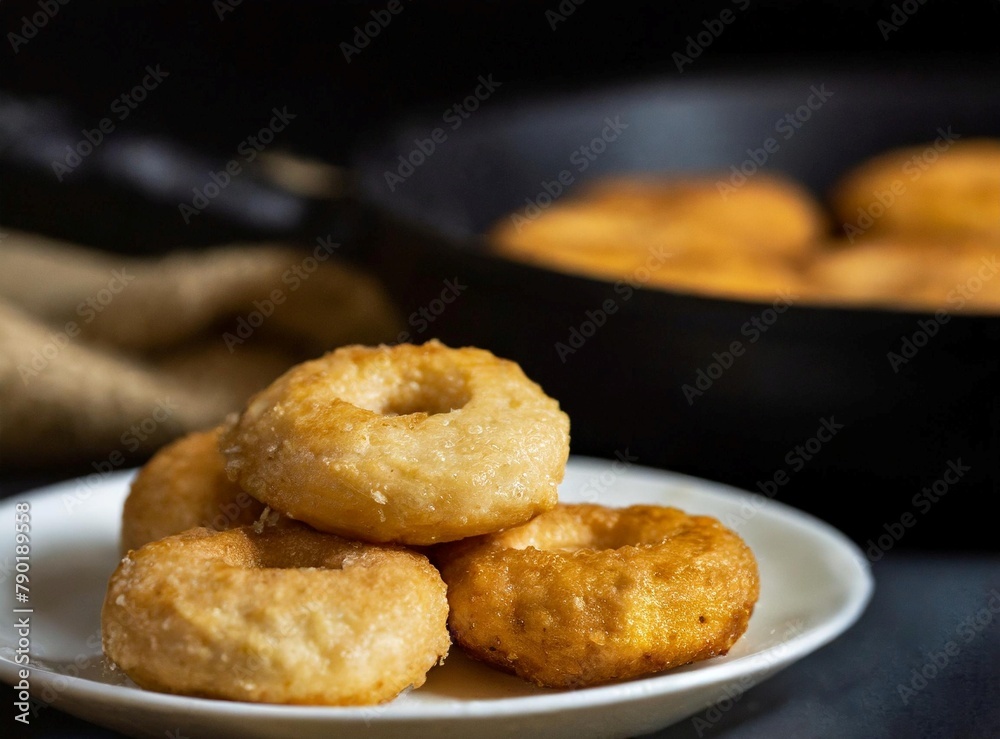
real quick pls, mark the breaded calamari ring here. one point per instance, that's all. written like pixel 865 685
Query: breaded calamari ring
pixel 184 486
pixel 288 615
pixel 411 444
pixel 924 191
pixel 585 594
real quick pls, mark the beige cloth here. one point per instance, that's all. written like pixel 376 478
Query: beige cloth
pixel 101 353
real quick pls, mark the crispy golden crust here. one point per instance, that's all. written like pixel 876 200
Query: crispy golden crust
pixel 925 192
pixel 948 275
pixel 766 214
pixel 412 444
pixel 677 266
pixel 585 594
pixel 736 275
pixel 182 487
pixel 289 615
pixel 675 234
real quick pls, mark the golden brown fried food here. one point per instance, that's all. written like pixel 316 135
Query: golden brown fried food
pixel 940 189
pixel 958 274
pixel 585 594
pixel 412 444
pixel 767 214
pixel 288 615
pixel 631 216
pixel 678 266
pixel 182 487
pixel 737 275
pixel 674 234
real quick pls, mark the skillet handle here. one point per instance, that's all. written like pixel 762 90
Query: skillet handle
pixel 135 191
pixel 333 212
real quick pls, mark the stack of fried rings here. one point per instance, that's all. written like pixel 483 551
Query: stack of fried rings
pixel 371 448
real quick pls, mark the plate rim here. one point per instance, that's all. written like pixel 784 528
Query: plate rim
pixel 788 651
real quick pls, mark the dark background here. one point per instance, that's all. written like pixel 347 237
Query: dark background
pixel 225 71
pixel 226 74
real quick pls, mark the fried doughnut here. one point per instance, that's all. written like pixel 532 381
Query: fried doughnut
pixel 924 191
pixel 958 273
pixel 182 487
pixel 738 275
pixel 585 594
pixel 629 215
pixel 410 444
pixel 288 615
pixel 767 213
pixel 680 266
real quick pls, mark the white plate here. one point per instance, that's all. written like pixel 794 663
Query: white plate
pixel 814 585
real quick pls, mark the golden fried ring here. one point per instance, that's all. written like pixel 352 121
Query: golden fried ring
pixel 412 444
pixel 926 275
pixel 636 216
pixel 585 594
pixel 182 487
pixel 681 266
pixel 289 615
pixel 924 191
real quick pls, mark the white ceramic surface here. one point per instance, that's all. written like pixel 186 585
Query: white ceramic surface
pixel 814 585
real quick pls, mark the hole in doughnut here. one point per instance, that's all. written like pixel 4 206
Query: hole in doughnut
pixel 575 539
pixel 607 532
pixel 419 389
pixel 430 398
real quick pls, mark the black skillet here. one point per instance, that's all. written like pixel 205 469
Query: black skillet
pixel 816 368
pixel 813 413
